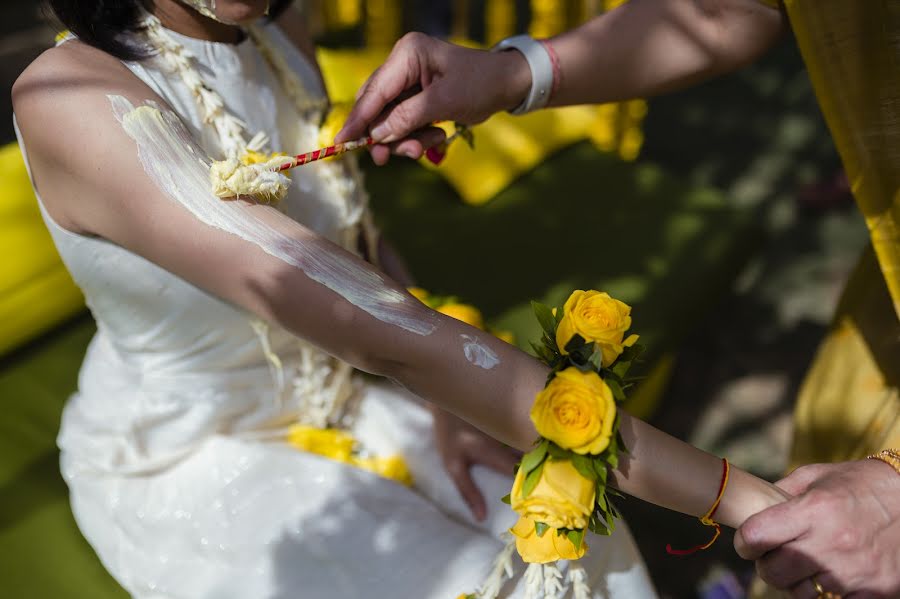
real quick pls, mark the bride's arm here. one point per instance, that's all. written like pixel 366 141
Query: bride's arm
pixel 87 169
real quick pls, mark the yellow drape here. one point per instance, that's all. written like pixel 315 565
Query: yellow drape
pixel 850 50
pixel 849 404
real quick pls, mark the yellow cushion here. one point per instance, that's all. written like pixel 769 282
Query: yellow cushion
pixel 36 292
pixel 506 146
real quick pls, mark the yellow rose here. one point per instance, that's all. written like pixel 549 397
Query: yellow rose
pixel 576 411
pixel 599 319
pixel 544 549
pixel 562 498
pixel 464 312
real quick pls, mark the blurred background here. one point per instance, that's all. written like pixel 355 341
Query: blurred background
pixel 721 214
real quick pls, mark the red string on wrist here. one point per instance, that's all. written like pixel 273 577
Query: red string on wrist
pixel 557 70
pixel 707 519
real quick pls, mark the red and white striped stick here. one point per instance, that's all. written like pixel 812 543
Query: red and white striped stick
pixel 335 150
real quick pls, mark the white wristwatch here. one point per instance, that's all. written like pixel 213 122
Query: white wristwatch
pixel 541 70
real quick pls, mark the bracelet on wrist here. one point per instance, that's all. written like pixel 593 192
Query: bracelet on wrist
pixel 544 70
pixel 891 457
pixel 707 518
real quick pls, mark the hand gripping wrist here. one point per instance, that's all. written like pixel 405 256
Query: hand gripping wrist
pixel 542 71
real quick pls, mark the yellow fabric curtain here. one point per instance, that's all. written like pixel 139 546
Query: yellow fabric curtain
pixel 384 22
pixel 851 53
pixel 849 404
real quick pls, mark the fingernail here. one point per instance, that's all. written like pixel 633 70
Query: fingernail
pixel 435 156
pixel 381 131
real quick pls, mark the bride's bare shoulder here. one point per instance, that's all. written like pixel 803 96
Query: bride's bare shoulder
pixel 63 110
pixel 67 74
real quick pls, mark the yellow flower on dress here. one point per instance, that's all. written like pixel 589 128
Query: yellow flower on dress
pixel 465 313
pixel 576 410
pixel 544 549
pixel 334 122
pixel 340 446
pixel 393 467
pixel 329 442
pixel 599 319
pixel 562 498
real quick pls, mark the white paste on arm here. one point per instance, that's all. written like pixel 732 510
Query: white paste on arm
pixel 180 168
pixel 478 353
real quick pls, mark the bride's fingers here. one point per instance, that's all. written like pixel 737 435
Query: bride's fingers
pixel 498 458
pixel 460 472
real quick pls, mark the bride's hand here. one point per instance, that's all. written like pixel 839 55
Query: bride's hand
pixel 462 446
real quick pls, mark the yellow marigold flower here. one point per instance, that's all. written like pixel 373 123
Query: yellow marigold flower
pixel 544 549
pixel 253 157
pixel 392 467
pixel 599 319
pixel 339 446
pixel 562 498
pixel 334 122
pixel 576 410
pixel 330 443
pixel 464 312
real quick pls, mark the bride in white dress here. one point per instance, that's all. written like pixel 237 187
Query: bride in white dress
pixel 209 345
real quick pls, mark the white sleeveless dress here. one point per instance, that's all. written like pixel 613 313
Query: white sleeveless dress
pixel 173 446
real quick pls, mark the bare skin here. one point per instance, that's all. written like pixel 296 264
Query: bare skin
pixel 843 526
pixel 101 190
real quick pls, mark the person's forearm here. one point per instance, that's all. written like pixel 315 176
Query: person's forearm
pixel 648 47
pixel 657 467
pixel 673 474
pixel 472 374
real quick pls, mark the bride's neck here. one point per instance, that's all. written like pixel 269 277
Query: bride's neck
pixel 184 20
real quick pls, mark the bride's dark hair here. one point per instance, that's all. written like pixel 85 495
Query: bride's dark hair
pixel 105 24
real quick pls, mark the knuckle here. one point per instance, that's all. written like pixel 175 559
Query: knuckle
pixel 413 40
pixel 847 539
pixel 819 502
pixel 402 115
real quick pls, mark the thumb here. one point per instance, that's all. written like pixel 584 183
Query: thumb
pixel 798 481
pixel 769 529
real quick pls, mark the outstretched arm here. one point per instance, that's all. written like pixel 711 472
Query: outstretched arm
pixel 643 48
pixel 88 170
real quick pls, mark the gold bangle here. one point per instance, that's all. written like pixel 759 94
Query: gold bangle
pixel 891 457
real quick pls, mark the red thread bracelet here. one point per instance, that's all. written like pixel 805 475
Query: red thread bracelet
pixel 707 519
